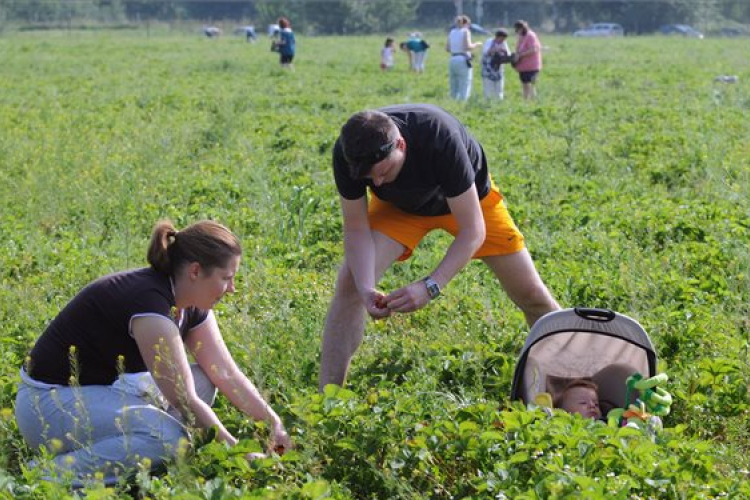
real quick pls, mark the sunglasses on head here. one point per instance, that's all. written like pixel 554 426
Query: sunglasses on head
pixel 376 156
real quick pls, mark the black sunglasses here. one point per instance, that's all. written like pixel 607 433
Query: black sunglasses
pixel 376 156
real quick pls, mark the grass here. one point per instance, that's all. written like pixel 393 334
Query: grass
pixel 629 178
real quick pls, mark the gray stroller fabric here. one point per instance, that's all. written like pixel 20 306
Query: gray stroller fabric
pixel 598 344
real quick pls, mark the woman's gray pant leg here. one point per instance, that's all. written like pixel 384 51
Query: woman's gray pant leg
pixel 97 431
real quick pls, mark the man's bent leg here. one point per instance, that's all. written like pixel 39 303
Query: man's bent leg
pixel 521 281
pixel 344 328
pixel 345 321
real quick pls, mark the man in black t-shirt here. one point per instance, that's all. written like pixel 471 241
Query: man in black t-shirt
pixel 424 171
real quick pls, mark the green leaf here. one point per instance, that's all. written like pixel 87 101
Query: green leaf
pixel 519 457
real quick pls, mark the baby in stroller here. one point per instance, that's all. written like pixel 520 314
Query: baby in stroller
pixel 608 351
pixel 580 396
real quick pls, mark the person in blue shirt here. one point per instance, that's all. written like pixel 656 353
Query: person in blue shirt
pixel 417 48
pixel 286 43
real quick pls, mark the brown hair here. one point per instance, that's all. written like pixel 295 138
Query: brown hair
pixel 463 21
pixel 578 382
pixel 521 26
pixel 284 23
pixel 206 242
pixel 365 139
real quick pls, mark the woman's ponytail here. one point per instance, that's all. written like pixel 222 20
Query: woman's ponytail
pixel 163 236
pixel 206 242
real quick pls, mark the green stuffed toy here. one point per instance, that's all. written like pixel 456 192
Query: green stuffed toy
pixel 645 414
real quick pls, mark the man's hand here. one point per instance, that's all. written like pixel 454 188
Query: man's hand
pixel 377 305
pixel 409 298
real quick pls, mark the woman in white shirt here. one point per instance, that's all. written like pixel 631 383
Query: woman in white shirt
pixel 459 45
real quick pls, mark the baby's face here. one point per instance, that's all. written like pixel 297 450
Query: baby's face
pixel 583 401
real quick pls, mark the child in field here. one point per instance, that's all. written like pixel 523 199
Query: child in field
pixel 386 54
pixel 580 396
pixel 286 44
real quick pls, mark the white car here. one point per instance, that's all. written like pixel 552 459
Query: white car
pixel 601 29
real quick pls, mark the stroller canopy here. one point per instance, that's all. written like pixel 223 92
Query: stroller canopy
pixel 598 344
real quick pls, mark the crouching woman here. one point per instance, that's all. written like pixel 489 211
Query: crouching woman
pixel 109 386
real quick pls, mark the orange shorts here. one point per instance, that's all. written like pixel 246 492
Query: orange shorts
pixel 503 237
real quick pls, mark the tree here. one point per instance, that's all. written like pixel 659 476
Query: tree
pixel 341 16
pixel 269 11
pixel 148 10
pixel 393 14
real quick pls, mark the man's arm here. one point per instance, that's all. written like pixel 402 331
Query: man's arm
pixel 359 250
pixel 471 234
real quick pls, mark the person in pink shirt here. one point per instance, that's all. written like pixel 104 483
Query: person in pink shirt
pixel 529 58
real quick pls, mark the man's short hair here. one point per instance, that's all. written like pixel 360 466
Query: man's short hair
pixel 501 32
pixel 367 138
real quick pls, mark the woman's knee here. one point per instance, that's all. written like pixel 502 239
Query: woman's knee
pixel 153 423
pixel 174 438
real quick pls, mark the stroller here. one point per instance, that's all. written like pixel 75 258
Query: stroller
pixel 598 344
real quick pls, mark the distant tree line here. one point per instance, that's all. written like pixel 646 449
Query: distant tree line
pixel 378 16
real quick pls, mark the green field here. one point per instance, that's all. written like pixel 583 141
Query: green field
pixel 630 178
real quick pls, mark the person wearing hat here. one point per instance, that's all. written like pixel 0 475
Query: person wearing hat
pixel 424 171
pixel 417 47
pixel 495 54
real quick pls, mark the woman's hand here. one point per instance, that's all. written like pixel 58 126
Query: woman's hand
pixel 281 442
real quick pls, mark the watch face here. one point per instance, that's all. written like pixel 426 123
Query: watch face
pixel 433 289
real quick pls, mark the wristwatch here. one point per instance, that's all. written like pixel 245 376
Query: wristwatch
pixel 433 289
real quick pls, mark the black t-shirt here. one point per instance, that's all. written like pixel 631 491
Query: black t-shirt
pixel 97 323
pixel 442 161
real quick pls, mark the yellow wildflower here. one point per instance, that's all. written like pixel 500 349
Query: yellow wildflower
pixel 55 445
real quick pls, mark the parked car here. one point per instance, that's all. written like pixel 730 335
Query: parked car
pixel 680 29
pixel 734 32
pixel 601 29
